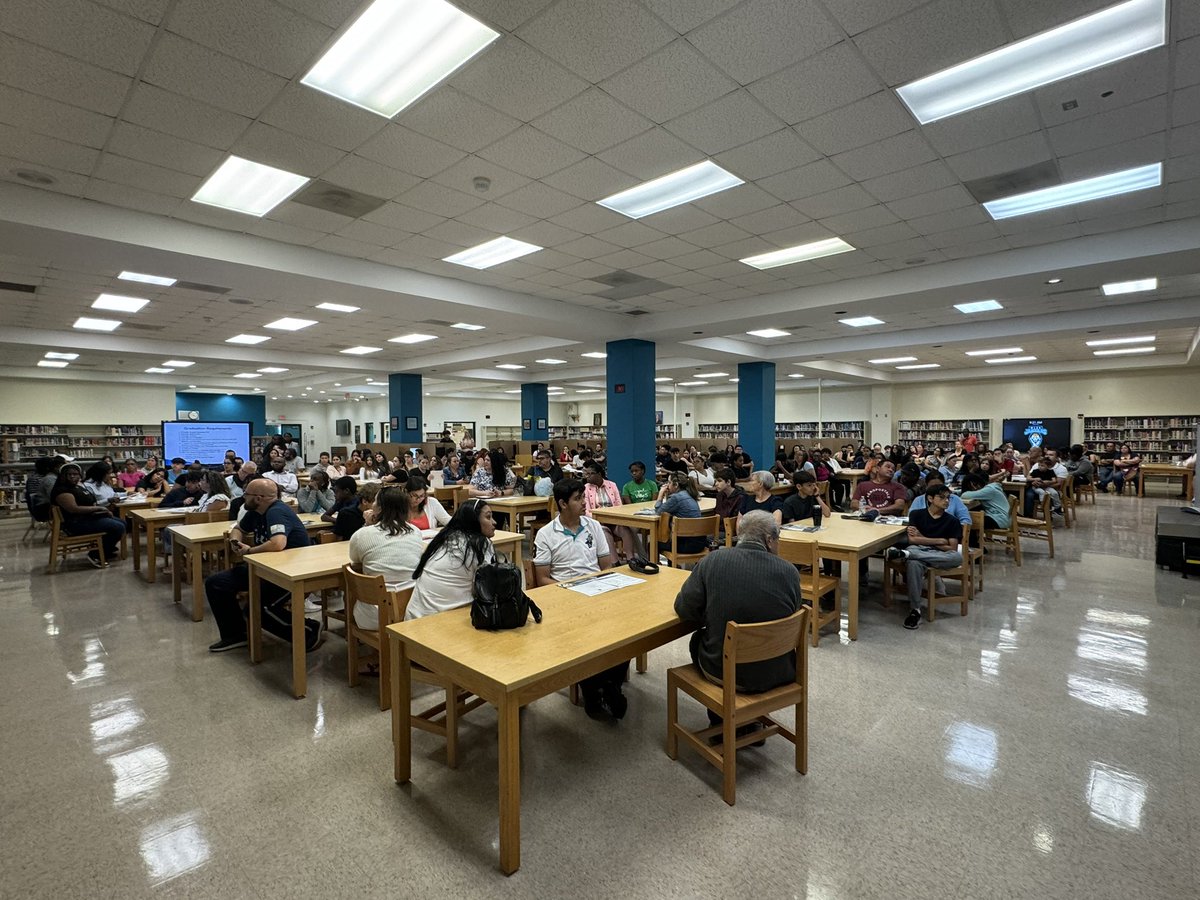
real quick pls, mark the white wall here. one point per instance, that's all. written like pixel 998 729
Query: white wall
pixel 101 402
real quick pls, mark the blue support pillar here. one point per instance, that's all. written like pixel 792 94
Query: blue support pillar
pixel 404 403
pixel 630 407
pixel 756 412
pixel 535 408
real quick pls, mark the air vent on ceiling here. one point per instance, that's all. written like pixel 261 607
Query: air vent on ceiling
pixel 142 327
pixel 637 312
pixel 441 322
pixel 335 199
pixel 202 288
pixel 1089 292
pixel 18 288
pixel 626 284
pixel 1018 181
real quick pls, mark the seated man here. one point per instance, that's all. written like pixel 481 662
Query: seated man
pixel 933 542
pixel 1103 461
pixel 187 491
pixel 288 484
pixel 880 492
pixel 266 525
pixel 347 512
pixel 322 463
pixel 1080 466
pixel 237 482
pixel 1054 461
pixel 545 467
pixel 676 462
pixel 746 584
pixel 957 508
pixel 178 464
pixel 572 545
pixel 1043 481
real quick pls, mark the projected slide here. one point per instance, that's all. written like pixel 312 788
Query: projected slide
pixel 205 441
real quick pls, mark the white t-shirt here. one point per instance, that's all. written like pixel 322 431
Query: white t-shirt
pixel 570 554
pixel 445 582
pixel 208 500
pixel 286 480
pixel 394 556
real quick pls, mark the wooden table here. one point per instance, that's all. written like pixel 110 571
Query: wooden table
pixel 315 568
pixel 1167 471
pixel 847 540
pixel 151 520
pixel 124 508
pixel 578 637
pixel 1015 487
pixel 206 537
pixel 627 514
pixel 854 476
pixel 518 508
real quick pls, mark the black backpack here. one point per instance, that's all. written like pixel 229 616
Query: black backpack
pixel 497 600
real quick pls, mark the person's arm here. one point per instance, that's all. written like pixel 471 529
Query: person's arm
pixel 825 510
pixel 273 545
pixel 604 558
pixel 438 517
pixel 306 499
pixel 66 500
pixel 290 483
pixel 690 602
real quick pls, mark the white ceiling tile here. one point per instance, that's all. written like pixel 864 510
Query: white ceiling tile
pixel 403 259
pixel 151 146
pixel 1121 221
pixel 768 155
pixel 1185 106
pixel 333 243
pixel 1183 190
pixel 624 259
pixel 588 218
pixel 321 117
pixel 831 203
pixel 541 200
pixel 682 219
pixel 902 151
pixel 309 217
pixel 863 122
pixel 630 234
pixel 764 36
pixel 992 124
pixel 650 154
pixel 589 179
pixel 1128 81
pixel 369 177
pixel 128 197
pixel 450 116
pixel 496 218
pixel 1003 157
pixel 903 249
pixel 284 150
pixel 791 236
pixel 823 82
pixel 547 234
pixel 585 268
pixel 516 79
pixel 745 198
pixel 714 235
pixel 83 31
pixel 403 218
pixel 550 259
pixel 45 116
pixel 151 11
pixel 460 233
pixel 419 245
pixel 1187 62
pixel 532 153
pixel 1038 236
pixel 1137 152
pixel 461 176
pixel 1027 17
pixel 596 40
pixel 877 237
pixel 729 122
pixel 371 233
pixel 931 38
pixel 859 15
pixel 669 82
pixel 967 234
pixel 943 220
pixel 505 14
pixel 952 197
pixel 1186 210
pixel 769 220
pixel 1181 166
pixel 806 181
pixel 40 149
pixel 684 15
pixel 257 32
pixel 588 248
pixel 401 148
pixel 48 74
pixel 1111 127
pixel 592 122
pixel 860 220
pixel 146 176
pixel 439 199
pixel 917 180
pixel 1185 140
pixel 184 117
pixel 203 74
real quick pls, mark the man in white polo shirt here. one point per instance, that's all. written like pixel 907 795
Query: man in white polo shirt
pixel 570 546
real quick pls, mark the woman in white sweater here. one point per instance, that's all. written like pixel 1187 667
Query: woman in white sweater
pixel 424 512
pixel 446 573
pixel 391 547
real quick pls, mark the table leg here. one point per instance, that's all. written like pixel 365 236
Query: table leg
pixel 1141 484
pixel 299 672
pixel 151 554
pixel 852 600
pixel 177 571
pixel 510 785
pixel 401 712
pixel 137 546
pixel 197 582
pixel 255 625
pixel 518 560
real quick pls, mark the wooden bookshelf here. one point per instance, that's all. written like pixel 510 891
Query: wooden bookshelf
pixel 942 432
pixel 844 431
pixel 1160 439
pixel 25 443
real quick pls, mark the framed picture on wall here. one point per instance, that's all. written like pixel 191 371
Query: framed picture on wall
pixel 395 422
pixel 658 417
pixel 410 423
pixel 541 425
pixel 597 419
pixel 527 424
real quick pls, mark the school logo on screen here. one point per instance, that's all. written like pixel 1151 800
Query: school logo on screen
pixel 1036 432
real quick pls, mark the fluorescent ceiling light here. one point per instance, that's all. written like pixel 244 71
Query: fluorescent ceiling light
pixel 996 352
pixel 692 383
pixel 664 378
pixel 921 366
pixel 595 354
pixel 1101 186
pixel 272 370
pixel 492 253
pixel 713 375
pixel 1104 342
pixel 862 321
pixel 193 387
pixel 892 359
pixel 517 391
pixel 118 303
pixel 769 333
pixel 510 366
pixel 1054 281
pixel 1010 359
pixel 289 324
pixel 248 187
pixel 53 363
pixel 1124 351
pixel 548 361
pixel 467 326
pixel 795 375
pixel 736 380
pixel 179 363
pixel 1129 287
pixel 588 391
pixel 146 279
pixel 361 351
pixel 159 370
pixel 799 253
pixel 89 324
pixel 671 190
pixel 62 355
pixel 1097 40
pixel 396 51
pixel 978 306
pixel 247 339
pixel 338 307
pixel 412 338
pixel 247 375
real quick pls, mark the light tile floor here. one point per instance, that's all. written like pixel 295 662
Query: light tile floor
pixel 1045 746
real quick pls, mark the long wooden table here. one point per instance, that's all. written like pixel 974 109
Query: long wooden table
pixel 205 537
pixel 123 508
pixel 627 514
pixel 315 568
pixel 518 508
pixel 1167 471
pixel 578 637
pixel 846 540
pixel 151 521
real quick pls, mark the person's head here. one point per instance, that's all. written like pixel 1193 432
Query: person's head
pixel 1035 453
pixel 637 471
pixel 1126 450
pixel 1051 455
pixel 970 463
pixel 379 458
pixel 682 482
pixel 275 451
pixel 177 464
pixel 194 482
pixel 568 497
pixel 593 473
pixel 883 471
pixel 248 469
pixel 367 493
pixel 675 451
pixel 471 527
pixel 277 463
pixel 498 462
pixel 759 526
pixel 131 465
pixel 344 488
pixel 214 484
pixel 973 481
pixel 356 454
pixel 151 463
pixel 260 493
pixel 933 477
pixel 806 484
pixel 335 460
pixel 70 473
pixel 1109 447
pixel 937 497
pixel 910 474
pixel 761 482
pixel 393 506
pixel 228 467
pixel 542 457
pixel 987 466
pixel 417 489
pixel 319 480
pixel 157 477
pixel 323 457
pixel 98 472
pixel 452 462
pixel 1076 452
pixel 724 480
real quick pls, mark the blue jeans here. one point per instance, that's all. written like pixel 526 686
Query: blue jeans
pixel 112 528
pixel 920 559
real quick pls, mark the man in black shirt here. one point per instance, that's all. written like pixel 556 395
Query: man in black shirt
pixel 546 467
pixel 346 514
pixel 806 503
pixel 933 539
pixel 676 463
pixel 187 491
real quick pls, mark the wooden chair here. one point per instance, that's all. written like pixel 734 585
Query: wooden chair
pixel 743 644
pixel 1039 527
pixel 1086 490
pixel 976 552
pixel 1010 536
pixel 814 585
pixel 704 526
pixel 451 497
pixel 62 543
pixel 440 719
pixel 730 530
pixel 1067 496
pixel 961 573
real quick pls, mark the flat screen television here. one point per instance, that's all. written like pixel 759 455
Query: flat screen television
pixel 1027 433
pixel 341 426
pixel 205 441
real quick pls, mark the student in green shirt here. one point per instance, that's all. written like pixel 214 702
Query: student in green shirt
pixel 641 488
pixel 991 498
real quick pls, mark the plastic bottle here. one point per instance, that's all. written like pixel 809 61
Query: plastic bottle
pixel 862 505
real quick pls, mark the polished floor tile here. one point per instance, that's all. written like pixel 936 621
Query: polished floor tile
pixel 1043 746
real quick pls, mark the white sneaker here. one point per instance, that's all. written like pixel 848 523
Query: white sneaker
pixel 312 603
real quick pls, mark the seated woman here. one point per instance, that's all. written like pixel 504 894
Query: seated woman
pixel 354 464
pixel 154 484
pixel 446 573
pixel 130 477
pixel 492 477
pixel 381 465
pixel 391 546
pixel 216 496
pixel 335 469
pixel 600 493
pixel 453 473
pixel 991 497
pixel 152 463
pixel 759 496
pixel 316 496
pixel 1125 469
pixel 424 512
pixel 83 514
pixel 96 480
pixel 679 498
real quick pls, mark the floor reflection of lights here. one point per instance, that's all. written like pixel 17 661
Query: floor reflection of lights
pixel 174 846
pixel 1107 694
pixel 93 658
pixel 138 775
pixel 972 754
pixel 1116 798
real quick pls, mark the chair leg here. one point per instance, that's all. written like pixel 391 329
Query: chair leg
pixel 642 662
pixel 672 719
pixel 931 591
pixel 729 760
pixel 385 674
pixel 451 726
pixel 352 658
pixel 802 737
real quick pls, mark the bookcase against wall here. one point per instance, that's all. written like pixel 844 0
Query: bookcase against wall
pixel 1160 439
pixel 846 431
pixel 569 433
pixel 942 432
pixel 25 443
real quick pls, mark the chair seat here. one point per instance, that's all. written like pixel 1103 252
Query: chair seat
pixel 712 695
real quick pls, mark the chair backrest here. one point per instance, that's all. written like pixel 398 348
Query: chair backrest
pixel 964 546
pixel 200 518
pixel 800 553
pixel 704 525
pixel 1013 503
pixel 1068 490
pixel 1047 505
pixel 977 523
pixel 56 518
pixel 763 640
pixel 373 590
pixel 730 530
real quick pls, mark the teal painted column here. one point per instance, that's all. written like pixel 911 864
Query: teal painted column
pixel 535 408
pixel 404 404
pixel 756 412
pixel 630 407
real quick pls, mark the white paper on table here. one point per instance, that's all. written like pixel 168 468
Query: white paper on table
pixel 892 520
pixel 808 529
pixel 645 512
pixel 602 584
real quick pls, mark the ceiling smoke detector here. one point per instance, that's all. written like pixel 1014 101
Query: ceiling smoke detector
pixel 482 184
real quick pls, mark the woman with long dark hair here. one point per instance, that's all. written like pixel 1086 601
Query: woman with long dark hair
pixel 154 484
pixel 446 573
pixel 390 547
pixel 83 514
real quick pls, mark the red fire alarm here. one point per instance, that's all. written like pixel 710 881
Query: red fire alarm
pixel 618 388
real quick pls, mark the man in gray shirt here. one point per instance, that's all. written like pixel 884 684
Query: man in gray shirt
pixel 1080 466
